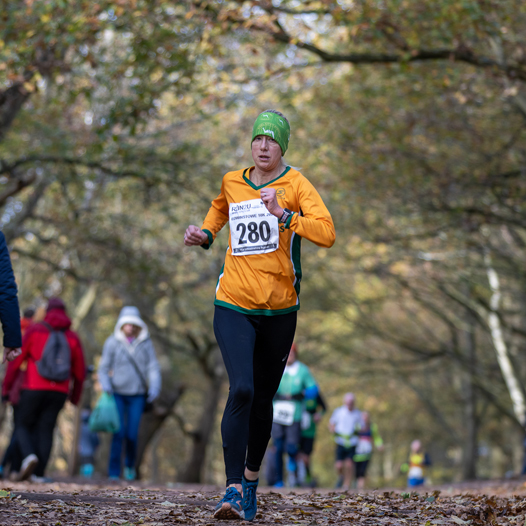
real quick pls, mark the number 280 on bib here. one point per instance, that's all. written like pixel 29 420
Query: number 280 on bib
pixel 253 229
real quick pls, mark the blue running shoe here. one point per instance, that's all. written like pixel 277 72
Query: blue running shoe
pixel 129 473
pixel 229 507
pixel 250 501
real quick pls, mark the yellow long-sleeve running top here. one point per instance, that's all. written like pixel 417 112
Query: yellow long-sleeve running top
pixel 262 269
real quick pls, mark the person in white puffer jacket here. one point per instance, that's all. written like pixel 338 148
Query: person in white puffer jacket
pixel 130 371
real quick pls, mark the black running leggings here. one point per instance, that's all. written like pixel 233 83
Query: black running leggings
pixel 255 350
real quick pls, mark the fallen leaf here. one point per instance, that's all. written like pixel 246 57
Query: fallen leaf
pixel 458 520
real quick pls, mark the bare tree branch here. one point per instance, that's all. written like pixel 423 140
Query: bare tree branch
pixel 10 168
pixel 458 54
pixel 53 265
pixel 13 229
pixel 275 30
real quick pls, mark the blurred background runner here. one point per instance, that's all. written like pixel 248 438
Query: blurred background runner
pixel 297 385
pixel 88 443
pixel 368 439
pixel 415 468
pixel 344 422
pixel 313 411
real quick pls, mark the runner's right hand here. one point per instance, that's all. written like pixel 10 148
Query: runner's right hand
pixel 10 353
pixel 194 236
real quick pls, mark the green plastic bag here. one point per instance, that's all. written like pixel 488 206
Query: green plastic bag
pixel 105 416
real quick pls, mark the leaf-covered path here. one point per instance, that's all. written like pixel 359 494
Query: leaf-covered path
pixel 61 504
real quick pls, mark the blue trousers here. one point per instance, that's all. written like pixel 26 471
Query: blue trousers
pixel 287 440
pixel 130 411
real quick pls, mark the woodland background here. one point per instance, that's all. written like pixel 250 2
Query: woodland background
pixel 118 120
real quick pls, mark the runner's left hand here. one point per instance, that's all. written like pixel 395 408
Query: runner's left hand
pixel 268 196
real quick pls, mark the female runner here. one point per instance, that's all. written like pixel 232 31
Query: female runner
pixel 270 207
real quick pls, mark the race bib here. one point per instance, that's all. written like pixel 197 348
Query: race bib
pixel 253 229
pixel 284 412
pixel 306 420
pixel 364 447
pixel 416 472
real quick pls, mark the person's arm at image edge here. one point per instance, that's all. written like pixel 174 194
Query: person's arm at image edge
pixel 9 308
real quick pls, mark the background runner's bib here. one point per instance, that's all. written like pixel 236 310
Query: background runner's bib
pixel 306 420
pixel 416 472
pixel 364 446
pixel 284 412
pixel 253 229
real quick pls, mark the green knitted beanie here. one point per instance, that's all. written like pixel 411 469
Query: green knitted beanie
pixel 274 126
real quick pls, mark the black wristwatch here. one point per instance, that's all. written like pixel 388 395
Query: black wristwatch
pixel 286 214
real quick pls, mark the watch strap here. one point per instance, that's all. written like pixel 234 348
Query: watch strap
pixel 286 214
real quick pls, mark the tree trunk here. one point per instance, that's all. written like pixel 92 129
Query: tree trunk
pixel 501 349
pixel 11 101
pixel 469 457
pixel 154 466
pixel 73 460
pixel 193 470
pixel 3 414
pixel 152 421
pixel 103 454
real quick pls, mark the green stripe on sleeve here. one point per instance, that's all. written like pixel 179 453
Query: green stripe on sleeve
pixel 206 246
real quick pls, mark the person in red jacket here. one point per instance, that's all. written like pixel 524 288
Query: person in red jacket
pixel 41 399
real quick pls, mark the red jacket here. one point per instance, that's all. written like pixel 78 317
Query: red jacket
pixel 24 324
pixel 33 345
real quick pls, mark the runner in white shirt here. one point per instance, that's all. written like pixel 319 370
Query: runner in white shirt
pixel 344 423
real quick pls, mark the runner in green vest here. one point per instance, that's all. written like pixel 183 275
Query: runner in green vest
pixel 313 412
pixel 297 384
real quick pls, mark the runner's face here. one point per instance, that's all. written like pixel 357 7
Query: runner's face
pixel 266 153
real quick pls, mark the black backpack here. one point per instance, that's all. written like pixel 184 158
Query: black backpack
pixel 55 362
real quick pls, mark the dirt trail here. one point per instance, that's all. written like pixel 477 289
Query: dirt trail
pixel 67 503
